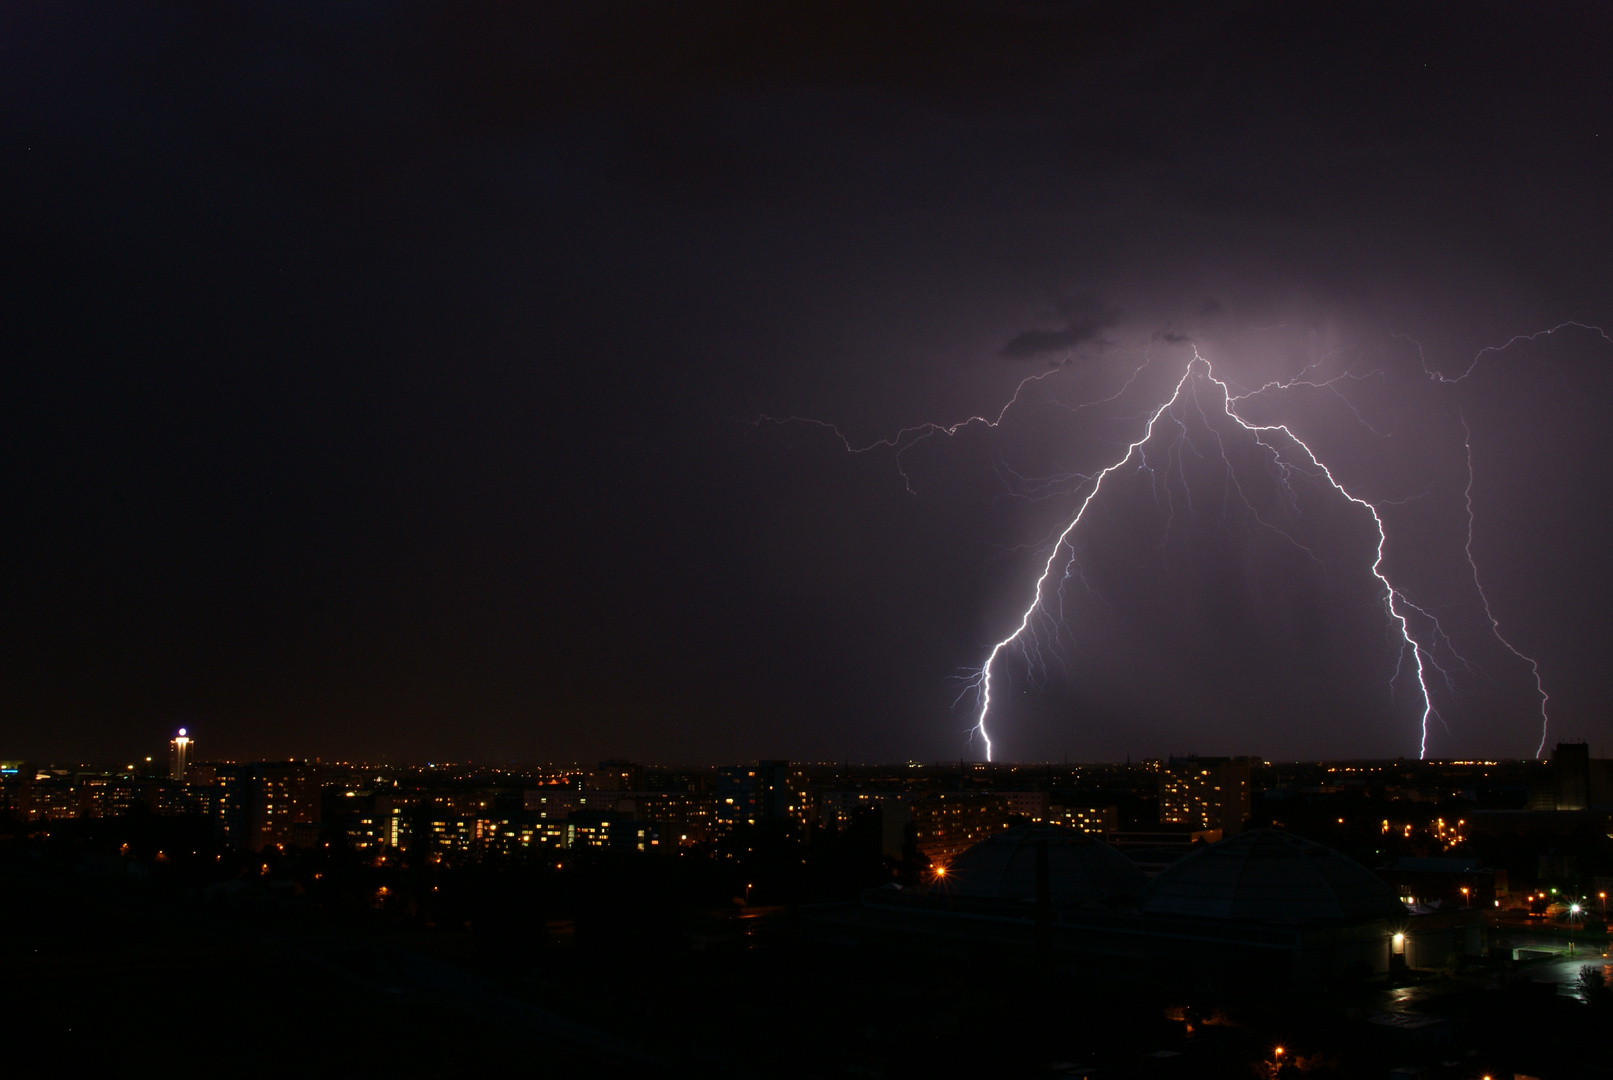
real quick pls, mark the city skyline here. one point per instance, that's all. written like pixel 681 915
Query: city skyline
pixel 915 816
pixel 182 752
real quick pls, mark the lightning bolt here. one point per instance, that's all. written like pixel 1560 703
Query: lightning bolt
pixel 909 437
pixel 1399 608
pixel 1490 350
pixel 1484 597
pixel 1394 601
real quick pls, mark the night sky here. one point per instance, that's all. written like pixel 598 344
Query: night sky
pixel 383 380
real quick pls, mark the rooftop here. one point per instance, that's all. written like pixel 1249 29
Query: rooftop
pixel 1273 876
pixel 1080 870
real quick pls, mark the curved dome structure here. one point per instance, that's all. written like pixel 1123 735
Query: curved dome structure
pixel 1273 876
pixel 1080 870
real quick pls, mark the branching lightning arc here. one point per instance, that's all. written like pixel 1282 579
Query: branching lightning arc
pixel 1419 646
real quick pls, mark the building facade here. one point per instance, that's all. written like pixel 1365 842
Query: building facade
pixel 1205 793
pixel 180 749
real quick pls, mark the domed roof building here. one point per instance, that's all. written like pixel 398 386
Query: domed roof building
pixel 1263 909
pixel 1079 870
pixel 1269 876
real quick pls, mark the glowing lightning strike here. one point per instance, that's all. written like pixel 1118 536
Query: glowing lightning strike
pixel 1484 597
pixel 1440 376
pixel 1467 445
pixel 909 437
pixel 1394 602
pixel 1047 571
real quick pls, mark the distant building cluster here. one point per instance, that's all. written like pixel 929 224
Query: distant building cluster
pixel 921 815
pixel 919 818
pixel 446 812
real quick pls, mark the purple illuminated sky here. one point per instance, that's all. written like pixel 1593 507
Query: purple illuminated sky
pixel 379 378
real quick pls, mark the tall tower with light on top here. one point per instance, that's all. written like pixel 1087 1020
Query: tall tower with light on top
pixel 179 748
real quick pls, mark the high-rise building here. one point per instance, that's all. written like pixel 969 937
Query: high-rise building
pixel 609 829
pixel 267 803
pixel 180 748
pixel 48 796
pixel 886 815
pixel 1206 793
pixel 682 817
pixel 615 775
pixel 1093 820
pixel 779 795
pixel 369 821
pixel 1571 775
pixel 1026 804
pixel 735 789
pixel 946 823
pixel 286 806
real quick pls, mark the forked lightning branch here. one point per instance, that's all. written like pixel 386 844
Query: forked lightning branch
pixel 1417 629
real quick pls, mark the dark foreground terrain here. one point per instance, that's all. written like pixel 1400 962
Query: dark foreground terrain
pixel 327 965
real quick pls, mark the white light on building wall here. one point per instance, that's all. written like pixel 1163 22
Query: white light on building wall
pixel 178 755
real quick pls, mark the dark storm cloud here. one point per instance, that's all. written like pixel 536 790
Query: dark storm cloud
pixel 1085 319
